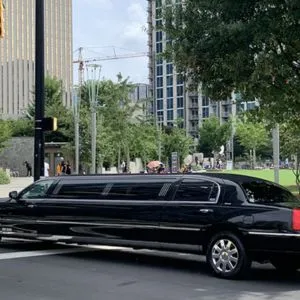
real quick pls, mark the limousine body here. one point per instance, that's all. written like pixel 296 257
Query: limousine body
pixel 231 219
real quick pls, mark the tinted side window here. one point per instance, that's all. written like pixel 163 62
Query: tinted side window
pixel 82 190
pixel 265 192
pixel 197 190
pixel 137 191
pixel 37 190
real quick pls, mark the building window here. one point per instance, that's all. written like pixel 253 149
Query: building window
pixel 159 104
pixel 205 101
pixel 159 70
pixel 179 79
pixel 169 68
pixel 169 103
pixel 180 113
pixel 158 13
pixel 179 102
pixel 159 93
pixel 159 47
pixel 160 116
pixel 205 112
pixel 158 23
pixel 159 61
pixel 169 115
pixel 170 92
pixel 169 80
pixel 159 35
pixel 180 90
pixel 159 81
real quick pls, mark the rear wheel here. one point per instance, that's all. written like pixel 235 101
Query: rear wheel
pixel 226 256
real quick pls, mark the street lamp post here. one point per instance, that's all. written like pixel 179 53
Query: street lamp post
pixel 93 72
pixel 76 108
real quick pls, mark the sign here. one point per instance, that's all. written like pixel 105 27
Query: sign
pixel 174 162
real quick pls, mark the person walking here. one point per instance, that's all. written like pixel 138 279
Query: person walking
pixel 68 168
pixel 46 169
pixel 28 168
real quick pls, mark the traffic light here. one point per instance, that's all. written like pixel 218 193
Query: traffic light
pixel 49 124
pixel 1 19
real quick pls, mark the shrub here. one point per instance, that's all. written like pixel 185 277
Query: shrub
pixel 4 178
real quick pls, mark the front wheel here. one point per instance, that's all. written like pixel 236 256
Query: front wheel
pixel 226 256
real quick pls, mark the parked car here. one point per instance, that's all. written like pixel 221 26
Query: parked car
pixel 231 219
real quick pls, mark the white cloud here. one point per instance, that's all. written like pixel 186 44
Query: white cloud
pixel 134 33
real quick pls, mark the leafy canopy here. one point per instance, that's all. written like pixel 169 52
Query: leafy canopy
pixel 248 46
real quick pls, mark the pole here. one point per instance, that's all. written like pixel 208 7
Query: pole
pixel 39 90
pixel 276 152
pixel 94 131
pixel 93 94
pixel 76 108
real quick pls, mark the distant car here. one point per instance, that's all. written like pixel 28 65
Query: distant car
pixel 231 219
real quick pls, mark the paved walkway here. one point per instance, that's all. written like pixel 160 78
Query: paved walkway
pixel 16 184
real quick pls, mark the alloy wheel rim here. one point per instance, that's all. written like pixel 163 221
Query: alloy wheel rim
pixel 225 255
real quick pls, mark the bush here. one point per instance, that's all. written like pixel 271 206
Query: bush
pixel 4 178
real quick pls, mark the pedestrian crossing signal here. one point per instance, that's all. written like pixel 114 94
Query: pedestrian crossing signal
pixel 49 124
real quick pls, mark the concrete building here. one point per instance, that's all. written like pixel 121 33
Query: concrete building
pixel 172 100
pixel 17 52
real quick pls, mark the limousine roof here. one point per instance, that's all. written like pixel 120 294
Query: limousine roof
pixel 175 176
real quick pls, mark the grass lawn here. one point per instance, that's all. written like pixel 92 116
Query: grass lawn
pixel 286 177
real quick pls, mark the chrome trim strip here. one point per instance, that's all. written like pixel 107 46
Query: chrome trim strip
pixel 119 225
pixel 283 234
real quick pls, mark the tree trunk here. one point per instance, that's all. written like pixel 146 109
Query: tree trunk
pixel 128 159
pixel 119 159
pixel 254 158
pixel 296 171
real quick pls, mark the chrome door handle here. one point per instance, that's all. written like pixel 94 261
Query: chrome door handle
pixel 206 210
pixel 30 205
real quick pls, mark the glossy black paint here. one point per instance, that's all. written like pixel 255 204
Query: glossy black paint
pixel 161 223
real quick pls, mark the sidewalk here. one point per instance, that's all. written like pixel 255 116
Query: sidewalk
pixel 16 184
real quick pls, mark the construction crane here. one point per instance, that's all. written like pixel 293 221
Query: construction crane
pixel 82 61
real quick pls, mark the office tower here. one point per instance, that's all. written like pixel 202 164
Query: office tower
pixel 17 52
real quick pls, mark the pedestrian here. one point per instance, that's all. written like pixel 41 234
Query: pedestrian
pixel 63 167
pixel 68 168
pixel 28 168
pixel 46 169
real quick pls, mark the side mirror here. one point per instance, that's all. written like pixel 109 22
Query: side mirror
pixel 13 195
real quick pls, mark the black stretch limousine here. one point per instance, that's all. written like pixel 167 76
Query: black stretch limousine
pixel 232 219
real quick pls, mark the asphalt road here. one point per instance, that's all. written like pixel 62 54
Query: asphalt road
pixel 31 271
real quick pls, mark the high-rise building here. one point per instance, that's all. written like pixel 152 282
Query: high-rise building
pixel 17 52
pixel 172 99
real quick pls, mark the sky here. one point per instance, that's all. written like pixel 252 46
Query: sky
pixel 106 27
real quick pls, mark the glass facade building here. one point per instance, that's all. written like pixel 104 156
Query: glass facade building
pixel 17 52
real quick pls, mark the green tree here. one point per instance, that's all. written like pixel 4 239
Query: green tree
pixel 174 139
pixel 5 133
pixel 213 135
pixel 54 107
pixel 248 46
pixel 252 136
pixel 118 137
pixel 290 145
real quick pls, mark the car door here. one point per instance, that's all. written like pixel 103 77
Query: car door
pixel 104 210
pixel 191 211
pixel 19 216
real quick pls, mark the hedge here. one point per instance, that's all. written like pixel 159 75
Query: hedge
pixel 4 178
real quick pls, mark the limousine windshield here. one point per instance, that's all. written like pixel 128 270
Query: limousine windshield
pixel 267 193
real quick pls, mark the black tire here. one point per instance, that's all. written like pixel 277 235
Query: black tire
pixel 285 265
pixel 230 260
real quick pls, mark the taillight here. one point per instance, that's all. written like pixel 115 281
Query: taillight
pixel 296 219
